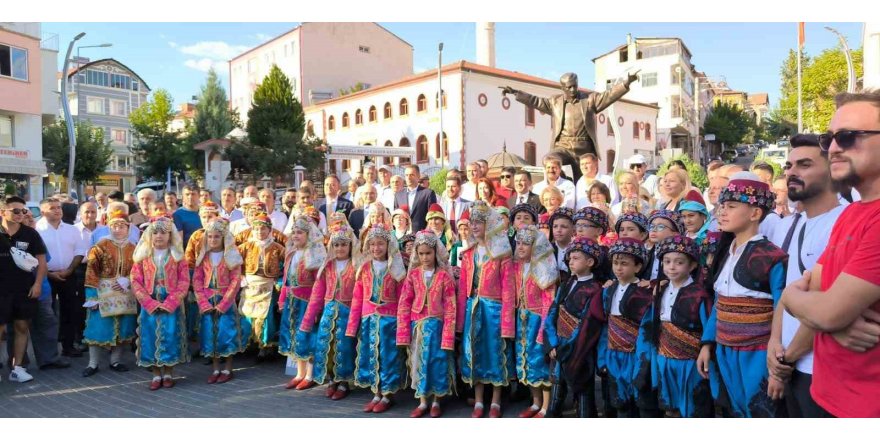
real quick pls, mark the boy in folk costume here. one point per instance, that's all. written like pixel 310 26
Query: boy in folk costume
pixel 331 302
pixel 426 323
pixel 571 331
pixel 592 223
pixel 112 322
pixel 305 255
pixel 662 224
pixel 632 225
pixel 208 212
pixel 253 211
pixel 748 276
pixel 485 309
pixel 680 312
pixel 380 364
pixel 216 282
pixel 263 260
pixel 160 281
pixel 534 277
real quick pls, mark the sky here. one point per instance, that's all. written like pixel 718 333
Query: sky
pixel 176 56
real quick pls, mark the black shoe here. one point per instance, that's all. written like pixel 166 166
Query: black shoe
pixel 79 347
pixel 72 353
pixel 89 371
pixel 119 366
pixel 55 365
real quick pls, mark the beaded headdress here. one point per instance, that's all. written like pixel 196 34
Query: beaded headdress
pixel 746 187
pixel 629 246
pixel 209 207
pixel 261 219
pixel 636 218
pixel 593 215
pixel 524 207
pixel 680 244
pixel 588 247
pixel 673 217
pixel 117 216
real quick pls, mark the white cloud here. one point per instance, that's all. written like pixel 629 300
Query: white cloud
pixel 214 50
pixel 172 44
pixel 205 64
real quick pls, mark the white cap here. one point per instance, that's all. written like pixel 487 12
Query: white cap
pixel 248 200
pixel 637 159
pixel 386 168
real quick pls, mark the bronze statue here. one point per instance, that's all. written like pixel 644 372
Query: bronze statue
pixel 573 116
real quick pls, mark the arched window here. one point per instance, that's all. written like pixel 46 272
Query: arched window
pixel 388 143
pixel 404 143
pixel 421 104
pixel 404 107
pixel 387 110
pixel 635 130
pixel 610 155
pixel 445 150
pixel 331 123
pixel 358 117
pixel 422 149
pixel 647 132
pixel 310 129
pixel 372 115
pixel 444 99
pixel 530 152
pixel 345 120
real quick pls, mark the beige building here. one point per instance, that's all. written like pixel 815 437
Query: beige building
pixel 320 59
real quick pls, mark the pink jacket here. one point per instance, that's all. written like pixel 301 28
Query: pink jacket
pixel 305 279
pixel 360 301
pixel 325 291
pixel 143 279
pixel 417 302
pixel 532 298
pixel 496 283
pixel 228 280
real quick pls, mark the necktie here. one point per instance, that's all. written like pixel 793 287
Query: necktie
pixel 787 242
pixel 522 199
pixel 452 215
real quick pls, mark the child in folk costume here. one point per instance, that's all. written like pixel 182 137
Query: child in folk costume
pixel 331 302
pixel 695 216
pixel 406 246
pixel 380 364
pixel 263 260
pixel 592 223
pixel 216 282
pixel 437 224
pixel 748 276
pixel 160 281
pixel 208 212
pixel 571 331
pixel 662 224
pixel 113 321
pixel 632 225
pixel 680 312
pixel 426 323
pixel 534 277
pixel 486 304
pixel 305 255
pixel 624 354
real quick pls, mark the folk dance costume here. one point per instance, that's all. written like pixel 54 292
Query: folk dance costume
pixel 624 351
pixel 693 201
pixel 535 283
pixel 263 261
pixel 331 297
pixel 115 321
pixel 486 304
pixel 748 282
pixel 193 246
pixel 426 321
pixel 572 327
pixel 216 282
pixel 679 316
pixel 379 365
pixel 160 281
pixel 651 271
pixel 598 219
pixel 300 269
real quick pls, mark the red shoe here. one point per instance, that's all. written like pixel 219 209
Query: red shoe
pixel 224 377
pixel 304 385
pixel 370 405
pixel 436 411
pixel 168 382
pixel 477 412
pixel 340 394
pixel 494 412
pixel 293 383
pixel 418 412
pixel 382 406
pixel 212 379
pixel 538 415
pixel 528 413
pixel 331 390
pixel 155 385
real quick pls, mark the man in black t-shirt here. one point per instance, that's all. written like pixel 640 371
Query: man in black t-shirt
pixel 19 297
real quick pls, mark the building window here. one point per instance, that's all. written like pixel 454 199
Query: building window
pixel 404 143
pixel 676 105
pixel 404 107
pixel 331 123
pixel 346 165
pixel 421 104
pixel 422 149
pixel 610 128
pixel 117 108
pixel 13 62
pixel 292 47
pixel 624 55
pixel 635 130
pixel 120 81
pixel 372 115
pixel 358 117
pixel 530 116
pixel 97 78
pixel 332 165
pixel 364 49
pixel 649 79
pixel 387 110
pixel 134 85
pixel 445 149
pixel 310 129
pixel 647 132
pixel 530 153
pixel 388 143
pixel 95 106
pixel 6 131
pixel 252 65
pixel 345 120
pixel 118 137
pixel 677 74
pixel 444 100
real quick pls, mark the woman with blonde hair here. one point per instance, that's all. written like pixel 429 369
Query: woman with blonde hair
pixel 552 199
pixel 676 183
pixel 377 215
pixel 630 202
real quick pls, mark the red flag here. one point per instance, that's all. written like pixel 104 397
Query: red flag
pixel 801 34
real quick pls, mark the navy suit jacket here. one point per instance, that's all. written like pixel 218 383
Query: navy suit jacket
pixel 342 204
pixel 424 199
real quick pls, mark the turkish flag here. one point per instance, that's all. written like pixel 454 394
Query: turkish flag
pixel 801 35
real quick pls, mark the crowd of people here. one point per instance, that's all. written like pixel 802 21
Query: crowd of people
pixel 757 297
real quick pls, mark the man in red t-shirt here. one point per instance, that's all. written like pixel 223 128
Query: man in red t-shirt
pixel 841 299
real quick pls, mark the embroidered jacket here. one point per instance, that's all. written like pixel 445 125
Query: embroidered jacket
pixel 329 286
pixel 195 243
pixel 228 284
pixel 495 283
pixel 108 260
pixel 243 237
pixel 362 303
pixel 273 258
pixel 143 281
pixel 532 298
pixel 305 279
pixel 418 302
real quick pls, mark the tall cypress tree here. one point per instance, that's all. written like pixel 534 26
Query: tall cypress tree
pixel 274 107
pixel 213 119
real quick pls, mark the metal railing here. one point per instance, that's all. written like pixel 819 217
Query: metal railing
pixel 49 41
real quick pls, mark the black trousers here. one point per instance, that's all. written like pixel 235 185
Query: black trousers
pixel 798 400
pixel 79 276
pixel 70 311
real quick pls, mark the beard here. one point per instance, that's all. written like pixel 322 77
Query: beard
pixel 806 192
pixel 849 180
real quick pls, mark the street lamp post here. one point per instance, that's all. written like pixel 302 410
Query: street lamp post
pixel 440 104
pixel 71 136
pixel 851 70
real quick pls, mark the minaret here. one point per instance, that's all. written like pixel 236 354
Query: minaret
pixel 486 43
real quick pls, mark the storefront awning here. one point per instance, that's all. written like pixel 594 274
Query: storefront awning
pixel 21 166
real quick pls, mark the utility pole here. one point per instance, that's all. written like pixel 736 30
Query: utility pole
pixel 440 104
pixel 71 134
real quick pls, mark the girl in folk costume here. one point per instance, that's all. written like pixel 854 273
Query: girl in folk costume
pixel 592 223
pixel 680 312
pixel 406 246
pixel 437 224
pixel 305 255
pixel 263 260
pixel 748 276
pixel 632 225
pixel 208 212
pixel 662 224
pixel 331 302
pixel 485 310
pixel 160 281
pixel 111 323
pixel 534 277
pixel 216 282
pixel 695 216
pixel 380 365
pixel 426 322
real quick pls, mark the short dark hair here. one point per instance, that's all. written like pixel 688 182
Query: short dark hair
pixel 678 163
pixel 453 179
pixel 764 166
pixel 116 195
pixel 524 173
pixel 807 140
pixel 14 199
pixel 414 168
pixel 332 176
pixel 483 161
pixel 714 165
pixel 511 170
pixel 290 190
pixel 871 96
pixel 172 193
pixel 190 187
pixel 48 200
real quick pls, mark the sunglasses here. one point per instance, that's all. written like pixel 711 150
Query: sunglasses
pixel 658 228
pixel 636 166
pixel 17 211
pixel 506 176
pixel 845 138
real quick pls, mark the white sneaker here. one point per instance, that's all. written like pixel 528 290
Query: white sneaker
pixel 21 375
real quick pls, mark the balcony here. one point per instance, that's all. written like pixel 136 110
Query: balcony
pixel 49 41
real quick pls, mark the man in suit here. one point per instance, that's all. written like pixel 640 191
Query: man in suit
pixel 453 205
pixel 415 199
pixel 522 185
pixel 332 201
pixel 358 216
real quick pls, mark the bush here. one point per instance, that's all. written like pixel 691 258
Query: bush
pixel 438 181
pixel 695 171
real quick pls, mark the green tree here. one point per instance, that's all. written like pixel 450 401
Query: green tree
pixel 274 107
pixel 729 123
pixel 93 152
pixel 155 146
pixel 696 172
pixel 354 89
pixel 213 119
pixel 438 181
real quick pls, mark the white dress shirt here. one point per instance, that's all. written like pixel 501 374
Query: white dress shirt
pixel 238 226
pixel 560 258
pixel 387 198
pixel 520 199
pixel 468 191
pixel 564 185
pixel 582 199
pixel 411 197
pixel 85 233
pixel 668 299
pixel 618 296
pixel 233 215
pixel 279 220
pixel 728 286
pixel 447 208
pixel 63 243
